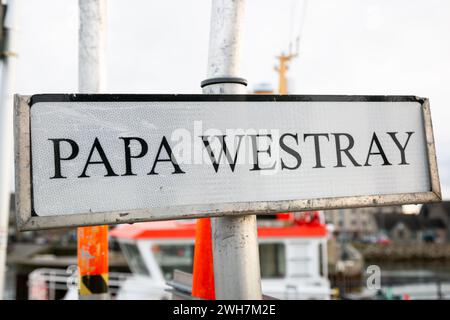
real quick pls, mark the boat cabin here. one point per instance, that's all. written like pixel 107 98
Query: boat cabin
pixel 292 248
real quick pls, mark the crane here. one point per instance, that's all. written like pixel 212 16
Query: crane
pixel 284 59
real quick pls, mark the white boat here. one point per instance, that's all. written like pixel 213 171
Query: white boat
pixel 293 256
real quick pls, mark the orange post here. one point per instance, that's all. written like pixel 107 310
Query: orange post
pixel 203 273
pixel 93 262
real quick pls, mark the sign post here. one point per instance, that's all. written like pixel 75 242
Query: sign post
pixel 92 240
pixel 234 239
pixel 8 61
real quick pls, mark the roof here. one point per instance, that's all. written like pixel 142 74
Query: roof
pixel 436 223
pixel 388 221
pixel 158 229
pixel 176 229
pixel 413 222
pixel 443 206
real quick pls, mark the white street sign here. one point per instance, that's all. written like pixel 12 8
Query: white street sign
pixel 105 159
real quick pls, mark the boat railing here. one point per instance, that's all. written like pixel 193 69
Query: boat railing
pixel 54 284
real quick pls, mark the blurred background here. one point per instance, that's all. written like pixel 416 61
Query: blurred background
pixel 372 47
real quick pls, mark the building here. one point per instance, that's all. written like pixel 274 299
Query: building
pixel 363 223
pixel 431 225
pixel 434 230
pixel 400 227
pixel 356 223
pixel 435 212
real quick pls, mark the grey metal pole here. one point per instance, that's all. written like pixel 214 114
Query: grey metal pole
pixel 9 61
pixel 91 46
pixel 235 241
pixel 92 79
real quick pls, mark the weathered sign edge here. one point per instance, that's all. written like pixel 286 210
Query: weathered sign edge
pixel 26 221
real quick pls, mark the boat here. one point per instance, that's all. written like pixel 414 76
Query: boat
pixel 292 248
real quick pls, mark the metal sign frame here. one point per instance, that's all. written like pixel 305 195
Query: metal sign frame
pixel 28 220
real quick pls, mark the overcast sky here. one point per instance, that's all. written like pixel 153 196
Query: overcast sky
pixel 347 47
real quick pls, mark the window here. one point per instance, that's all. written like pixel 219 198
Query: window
pixel 176 256
pixel 181 257
pixel 272 258
pixel 134 258
pixel 321 271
